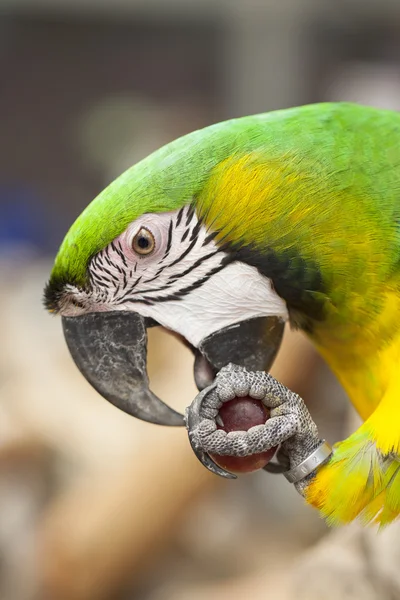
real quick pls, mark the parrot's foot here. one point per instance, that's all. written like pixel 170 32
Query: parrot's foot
pixel 290 425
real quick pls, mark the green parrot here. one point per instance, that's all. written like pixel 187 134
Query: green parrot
pixel 226 235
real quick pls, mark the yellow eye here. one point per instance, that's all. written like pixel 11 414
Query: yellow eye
pixel 143 243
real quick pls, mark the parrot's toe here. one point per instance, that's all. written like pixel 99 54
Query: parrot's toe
pixel 290 424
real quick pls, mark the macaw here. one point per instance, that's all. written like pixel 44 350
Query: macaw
pixel 229 234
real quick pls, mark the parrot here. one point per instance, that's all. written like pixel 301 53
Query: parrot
pixel 226 236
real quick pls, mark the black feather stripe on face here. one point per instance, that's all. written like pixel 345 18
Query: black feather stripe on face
pixel 190 258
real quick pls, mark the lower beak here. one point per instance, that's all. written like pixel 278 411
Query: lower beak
pixel 252 344
pixel 110 350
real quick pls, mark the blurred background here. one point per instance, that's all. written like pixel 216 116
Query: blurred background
pixel 93 504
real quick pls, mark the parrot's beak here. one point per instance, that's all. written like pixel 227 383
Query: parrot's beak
pixel 252 344
pixel 110 350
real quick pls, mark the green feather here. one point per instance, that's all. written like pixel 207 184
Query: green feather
pixel 326 134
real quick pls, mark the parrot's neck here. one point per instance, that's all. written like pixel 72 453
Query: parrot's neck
pixel 357 331
pixel 354 323
pixel 362 351
pixel 330 248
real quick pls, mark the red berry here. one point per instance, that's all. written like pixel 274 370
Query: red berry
pixel 240 414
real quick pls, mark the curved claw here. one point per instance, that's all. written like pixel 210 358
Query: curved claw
pixel 209 464
pixel 274 468
pixel 281 465
pixel 277 468
pixel 193 420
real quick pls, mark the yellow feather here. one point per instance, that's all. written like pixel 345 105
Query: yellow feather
pixel 254 200
pixel 363 477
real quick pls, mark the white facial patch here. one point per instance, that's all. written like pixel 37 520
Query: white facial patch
pixel 186 283
pixel 235 294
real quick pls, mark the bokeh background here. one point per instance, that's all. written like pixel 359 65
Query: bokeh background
pixel 94 505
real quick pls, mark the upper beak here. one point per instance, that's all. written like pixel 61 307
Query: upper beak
pixel 110 350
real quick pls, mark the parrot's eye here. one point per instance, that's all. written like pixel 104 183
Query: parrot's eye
pixel 143 243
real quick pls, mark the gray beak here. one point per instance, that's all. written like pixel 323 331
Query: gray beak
pixel 110 350
pixel 252 344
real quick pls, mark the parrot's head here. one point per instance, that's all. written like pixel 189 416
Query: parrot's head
pixel 146 253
